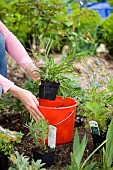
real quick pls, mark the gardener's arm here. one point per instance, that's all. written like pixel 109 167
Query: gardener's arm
pixel 26 97
pixel 17 51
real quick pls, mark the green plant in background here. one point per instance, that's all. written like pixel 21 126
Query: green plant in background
pixel 39 131
pixel 2 4
pixel 110 2
pixel 82 44
pixel 49 19
pixel 21 162
pixel 6 144
pixel 105 33
pixel 34 17
pixel 98 103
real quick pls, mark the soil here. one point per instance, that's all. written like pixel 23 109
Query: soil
pixel 13 122
pixel 62 152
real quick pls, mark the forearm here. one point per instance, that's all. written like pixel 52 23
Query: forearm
pixel 5 83
pixel 15 91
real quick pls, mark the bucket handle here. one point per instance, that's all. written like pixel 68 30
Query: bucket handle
pixel 64 119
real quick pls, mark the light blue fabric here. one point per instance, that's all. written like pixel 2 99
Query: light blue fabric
pixel 3 63
pixel 104 9
pixel 0 91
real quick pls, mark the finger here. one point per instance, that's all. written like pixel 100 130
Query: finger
pixel 36 117
pixel 36 108
pixel 35 111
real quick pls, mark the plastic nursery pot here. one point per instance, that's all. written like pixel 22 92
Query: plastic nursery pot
pixel 3 162
pixel 48 90
pixel 61 114
pixel 98 139
pixel 46 157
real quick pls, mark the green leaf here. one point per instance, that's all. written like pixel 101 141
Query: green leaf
pixel 109 146
pixel 90 166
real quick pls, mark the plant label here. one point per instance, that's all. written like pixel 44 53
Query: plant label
pixel 94 127
pixel 52 136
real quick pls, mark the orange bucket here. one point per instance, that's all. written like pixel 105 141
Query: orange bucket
pixel 60 113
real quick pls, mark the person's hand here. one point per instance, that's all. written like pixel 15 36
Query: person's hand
pixel 31 70
pixel 28 99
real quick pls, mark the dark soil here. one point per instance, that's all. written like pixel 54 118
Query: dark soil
pixel 62 155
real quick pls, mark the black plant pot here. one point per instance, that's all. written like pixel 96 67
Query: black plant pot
pixel 3 162
pixel 48 90
pixel 46 157
pixel 98 139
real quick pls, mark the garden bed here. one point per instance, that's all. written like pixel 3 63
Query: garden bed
pixel 62 157
pixel 12 120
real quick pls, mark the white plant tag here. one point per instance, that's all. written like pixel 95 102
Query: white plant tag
pixel 94 127
pixel 52 136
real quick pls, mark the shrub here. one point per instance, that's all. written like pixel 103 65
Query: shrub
pixel 79 34
pixel 30 19
pixel 105 33
pixel 110 2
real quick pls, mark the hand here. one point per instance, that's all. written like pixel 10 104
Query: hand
pixel 30 69
pixel 28 99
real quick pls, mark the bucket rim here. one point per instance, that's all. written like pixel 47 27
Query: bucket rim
pixel 62 107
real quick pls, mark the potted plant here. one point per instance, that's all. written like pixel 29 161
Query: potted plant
pixel 7 140
pixel 52 74
pixel 39 133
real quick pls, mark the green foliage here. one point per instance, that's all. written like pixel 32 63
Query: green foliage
pixel 2 4
pixel 61 72
pixel 98 99
pixel 6 144
pixel 29 19
pixel 34 17
pixel 78 152
pixel 106 161
pixel 85 17
pixel 70 87
pixel 55 72
pixel 82 44
pixel 21 162
pixel 39 131
pixel 105 34
pixel 31 85
pixel 100 106
pixel 110 2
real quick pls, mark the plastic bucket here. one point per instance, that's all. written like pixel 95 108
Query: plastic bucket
pixel 60 113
